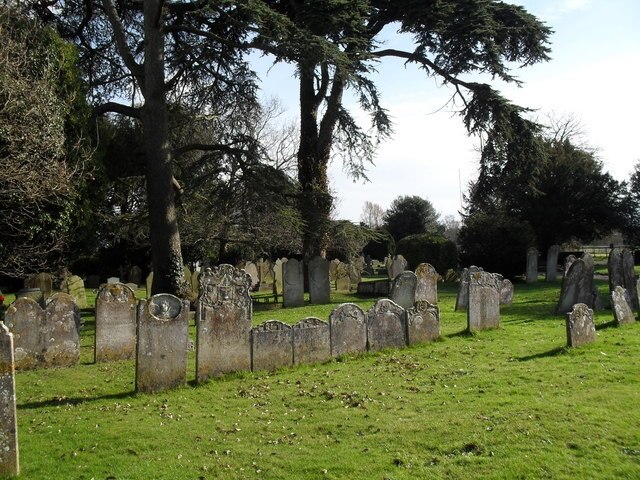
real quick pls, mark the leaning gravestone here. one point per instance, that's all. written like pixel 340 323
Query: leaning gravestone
pixel 9 463
pixel 293 283
pixel 506 292
pixel 403 289
pixel 115 337
pixel 427 286
pixel 161 354
pixel 311 341
pixel 484 301
pixel 580 327
pixel 386 325
pixel 532 265
pixel 25 317
pixel 577 285
pixel 620 306
pixel 319 286
pixel 74 286
pixel 462 298
pixel 135 275
pixel 223 322
pixel 552 263
pixel 423 323
pixel 252 270
pixel 567 264
pixel 272 346
pixel 348 330
pixel 621 272
pixel 343 280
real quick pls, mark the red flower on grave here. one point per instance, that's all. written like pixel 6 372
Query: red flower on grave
pixel 1 299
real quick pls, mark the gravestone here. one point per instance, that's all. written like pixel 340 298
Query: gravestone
pixel 59 336
pixel 386 325
pixel 577 285
pixel 348 330
pixel 427 286
pixel 580 327
pixel 272 346
pixel 532 265
pixel 186 275
pixel 395 266
pixel 382 287
pixel 311 341
pixel 132 286
pixel 135 275
pixel 163 335
pixel 293 283
pixel 484 301
pixel 223 322
pixel 115 337
pixel 567 264
pixel 621 308
pixel 333 271
pixel 24 318
pixel 319 287
pixel 462 298
pixel 423 323
pixel 9 461
pixel 278 268
pixel 74 286
pixel 343 280
pixel 506 292
pixel 149 284
pixel 552 263
pixel 265 275
pixel 252 270
pixel 621 272
pixel 355 275
pixel 366 288
pixel 43 281
pixel 93 281
pixel 113 280
pixel 403 289
pixel 195 283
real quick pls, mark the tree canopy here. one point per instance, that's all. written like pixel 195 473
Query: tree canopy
pixel 410 215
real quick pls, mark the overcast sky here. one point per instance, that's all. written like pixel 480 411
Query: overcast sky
pixel 592 76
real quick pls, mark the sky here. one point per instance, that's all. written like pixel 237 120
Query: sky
pixel 592 77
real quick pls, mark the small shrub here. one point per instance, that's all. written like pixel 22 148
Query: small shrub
pixel 434 249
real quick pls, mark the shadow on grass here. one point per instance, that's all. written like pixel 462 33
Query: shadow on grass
pixel 462 333
pixel 551 353
pixel 604 326
pixel 61 401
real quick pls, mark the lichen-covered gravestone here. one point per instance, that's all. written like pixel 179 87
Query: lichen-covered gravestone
pixel 462 298
pixel 386 325
pixel 580 326
pixel 348 330
pixel 333 271
pixel 319 285
pixel 577 285
pixel 427 286
pixel 423 323
pixel 621 307
pixel 621 273
pixel 552 263
pixel 506 292
pixel 484 301
pixel 74 286
pixel 265 275
pixel 277 275
pixel 161 356
pixel 343 280
pixel 403 289
pixel 272 346
pixel 223 322
pixel 311 341
pixel 293 283
pixel 532 265
pixel 25 318
pixel 115 337
pixel 134 275
pixel 252 270
pixel 395 266
pixel 59 336
pixel 9 463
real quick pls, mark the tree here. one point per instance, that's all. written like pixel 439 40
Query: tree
pixel 631 201
pixel 451 227
pixel 409 215
pixel 372 215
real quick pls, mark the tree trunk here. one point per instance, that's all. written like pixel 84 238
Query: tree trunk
pixel 166 255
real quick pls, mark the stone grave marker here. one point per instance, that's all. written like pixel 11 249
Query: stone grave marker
pixel 348 330
pixel 621 272
pixel 74 286
pixel 552 263
pixel 265 275
pixel 532 265
pixel 319 287
pixel 567 263
pixel 277 275
pixel 59 336
pixel 9 458
pixel 113 280
pixel 395 266
pixel 135 275
pixel 462 298
pixel 403 289
pixel 149 284
pixel 115 337
pixel 252 270
pixel 343 280
pixel 132 286
pixel 293 283
pixel 577 285
pixel 311 341
pixel 506 292
pixel 423 323
pixel 382 287
pixel 427 286
pixel 42 281
pixel 333 271
pixel 386 325
pixel 366 288
pixel 25 318
pixel 484 301
pixel 161 353
pixel 580 327
pixel 272 346
pixel 620 305
pixel 195 283
pixel 223 322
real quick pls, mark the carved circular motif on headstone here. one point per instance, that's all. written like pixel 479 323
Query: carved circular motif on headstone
pixel 164 306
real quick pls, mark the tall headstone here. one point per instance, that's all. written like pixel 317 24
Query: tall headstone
pixel 277 275
pixel 427 286
pixel 333 271
pixel 311 341
pixel 265 275
pixel 396 266
pixel 149 284
pixel 9 461
pixel 403 289
pixel 348 330
pixel 252 270
pixel 567 264
pixel 423 323
pixel 135 275
pixel 621 272
pixel 195 283
pixel 223 322
pixel 532 265
pixel 60 338
pixel 552 263
pixel 506 292
pixel 25 318
pixel 620 305
pixel 577 285
pixel 580 326
pixel 272 346
pixel 319 287
pixel 293 283
pixel 161 354
pixel 343 280
pixel 115 337
pixel 74 286
pixel 386 325
pixel 484 301
pixel 462 298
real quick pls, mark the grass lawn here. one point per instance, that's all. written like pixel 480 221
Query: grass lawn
pixel 507 403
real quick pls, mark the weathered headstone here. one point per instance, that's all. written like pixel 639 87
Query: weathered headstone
pixel 403 289
pixel 186 274
pixel 311 341
pixel 272 346
pixel 462 298
pixel 135 275
pixel 265 275
pixel 396 266
pixel 59 336
pixel 33 293
pixel 115 337
pixel 484 301
pixel 343 281
pixel 621 272
pixel 532 265
pixel 223 322
pixel 355 273
pixel 195 283
pixel 348 330
pixel 552 263
pixel 577 285
pixel 580 327
pixel 25 318
pixel 427 286
pixel 113 280
pixel 252 270
pixel 43 281
pixel 163 334
pixel 366 288
pixel 506 292
pixel 319 287
pixel 333 271
pixel 277 275
pixel 149 284
pixel 382 287
pixel 386 325
pixel 9 461
pixel 293 283
pixel 423 323
pixel 620 305
pixel 74 286
pixel 567 264
pixel 132 286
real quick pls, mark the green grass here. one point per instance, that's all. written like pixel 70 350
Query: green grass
pixel 507 403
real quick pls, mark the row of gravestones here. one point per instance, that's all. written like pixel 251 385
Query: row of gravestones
pixel 551 272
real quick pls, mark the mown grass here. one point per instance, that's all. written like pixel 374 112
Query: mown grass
pixel 507 403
